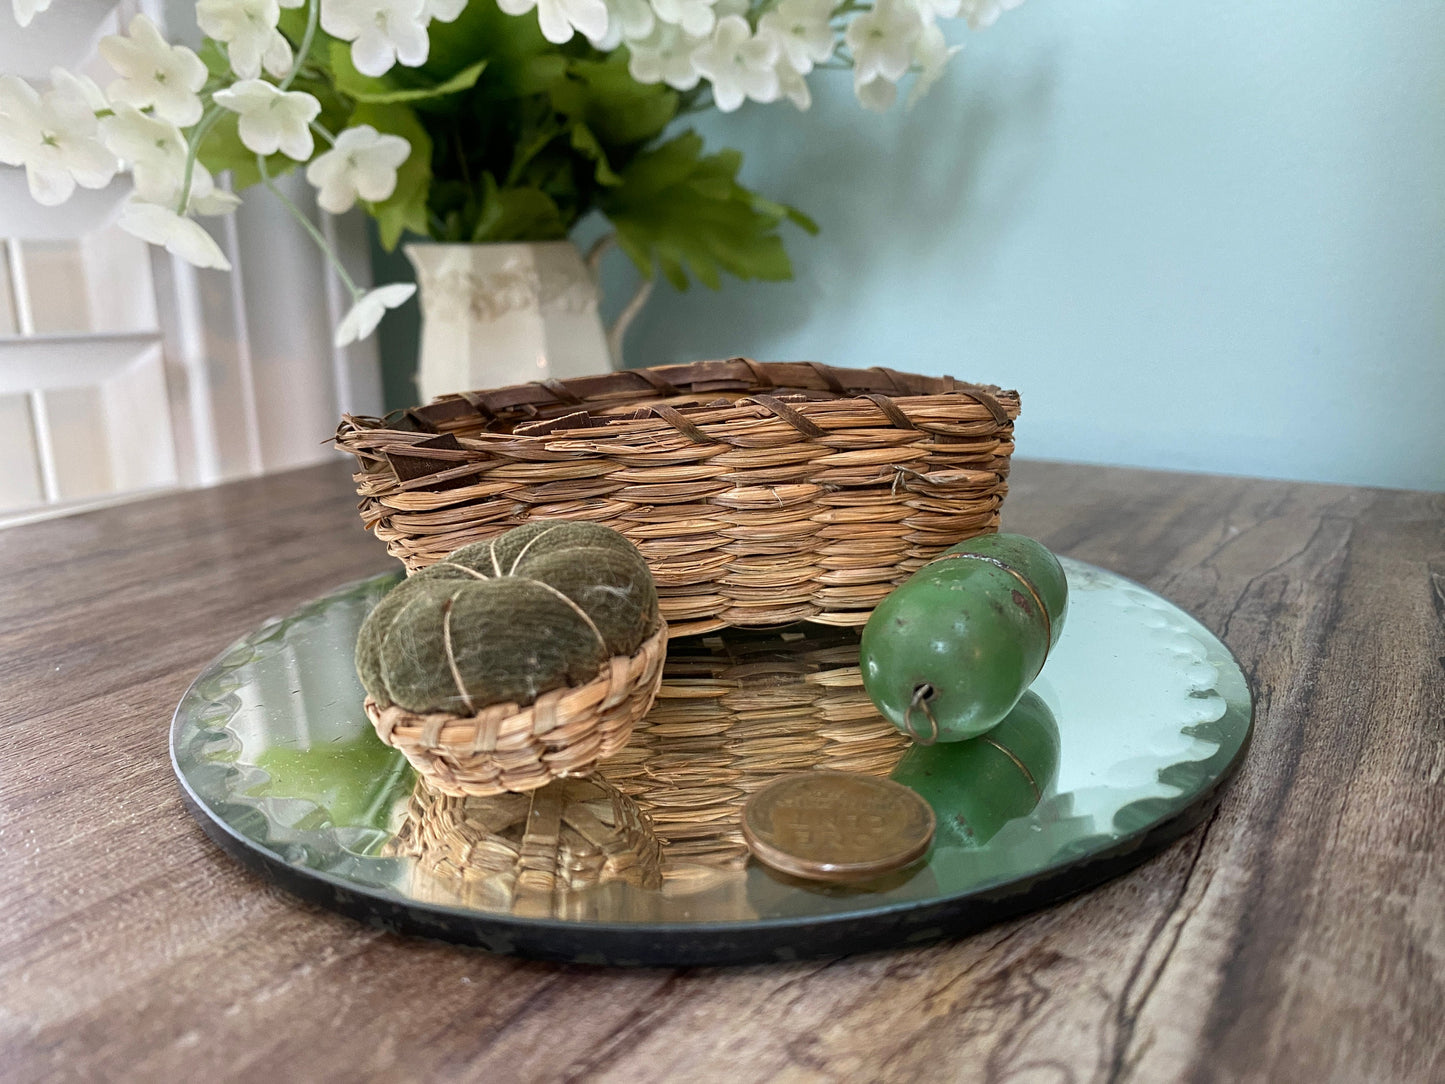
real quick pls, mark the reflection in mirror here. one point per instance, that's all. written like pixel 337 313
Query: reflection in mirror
pixel 736 710
pixel 527 853
pixel 1137 715
pixel 977 786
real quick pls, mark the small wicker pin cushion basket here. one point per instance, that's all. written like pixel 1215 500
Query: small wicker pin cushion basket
pixel 760 494
pixel 507 747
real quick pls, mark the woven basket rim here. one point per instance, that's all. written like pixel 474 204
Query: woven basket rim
pixel 759 493
pixel 789 390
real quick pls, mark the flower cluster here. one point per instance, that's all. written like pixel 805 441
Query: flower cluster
pixel 762 52
pixel 268 70
pixel 153 117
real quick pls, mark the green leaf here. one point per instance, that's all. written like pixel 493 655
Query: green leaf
pixel 293 28
pixel 395 87
pixel 685 214
pixel 223 150
pixel 509 45
pixel 804 222
pixel 292 24
pixel 519 214
pixel 531 143
pixel 406 208
pixel 618 109
pixel 536 74
pixel 587 143
pixel 216 60
pixel 662 167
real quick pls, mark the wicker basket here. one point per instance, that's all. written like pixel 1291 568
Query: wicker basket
pixel 760 494
pixel 505 747
pixel 735 711
pixel 526 853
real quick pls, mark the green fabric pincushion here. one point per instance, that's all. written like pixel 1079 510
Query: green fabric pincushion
pixel 540 607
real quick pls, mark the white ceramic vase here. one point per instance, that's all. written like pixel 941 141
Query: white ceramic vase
pixel 500 314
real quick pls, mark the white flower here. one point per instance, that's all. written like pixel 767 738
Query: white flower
pixel 443 11
pixel 635 16
pixel 627 20
pixel 206 198
pixel 877 94
pixel 25 10
pixel 248 29
pixel 382 33
pixel 937 9
pixel 179 236
pixel 54 136
pixel 696 17
pixel 361 321
pixel 882 41
pixel 560 18
pixel 984 13
pixel 363 163
pixel 664 56
pixel 792 84
pixel 144 140
pixel 931 53
pixel 155 73
pixel 271 120
pixel 739 65
pixel 802 30
pixel 154 149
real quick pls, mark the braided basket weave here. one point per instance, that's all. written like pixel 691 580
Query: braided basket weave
pixel 505 747
pixel 760 494
pixel 735 711
pixel 527 852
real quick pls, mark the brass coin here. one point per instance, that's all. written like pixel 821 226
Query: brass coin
pixel 837 826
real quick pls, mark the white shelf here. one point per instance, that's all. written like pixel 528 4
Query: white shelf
pixel 45 362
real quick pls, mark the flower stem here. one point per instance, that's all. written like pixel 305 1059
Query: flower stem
pixel 193 150
pixel 313 14
pixel 311 230
pixel 323 133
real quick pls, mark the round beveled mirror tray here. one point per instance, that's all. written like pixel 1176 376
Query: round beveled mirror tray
pixel 1138 720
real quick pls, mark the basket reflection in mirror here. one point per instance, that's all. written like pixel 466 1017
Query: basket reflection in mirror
pixel 736 710
pixel 527 853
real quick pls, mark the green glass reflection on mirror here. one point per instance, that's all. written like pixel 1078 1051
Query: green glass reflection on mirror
pixel 355 783
pixel 977 786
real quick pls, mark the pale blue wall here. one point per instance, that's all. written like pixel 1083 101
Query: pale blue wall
pixel 1194 235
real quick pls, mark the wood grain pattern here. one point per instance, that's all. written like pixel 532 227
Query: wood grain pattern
pixel 1298 936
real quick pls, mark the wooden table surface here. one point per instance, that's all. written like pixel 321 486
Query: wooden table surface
pixel 1299 935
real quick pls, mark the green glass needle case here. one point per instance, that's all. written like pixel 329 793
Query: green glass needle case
pixel 947 655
